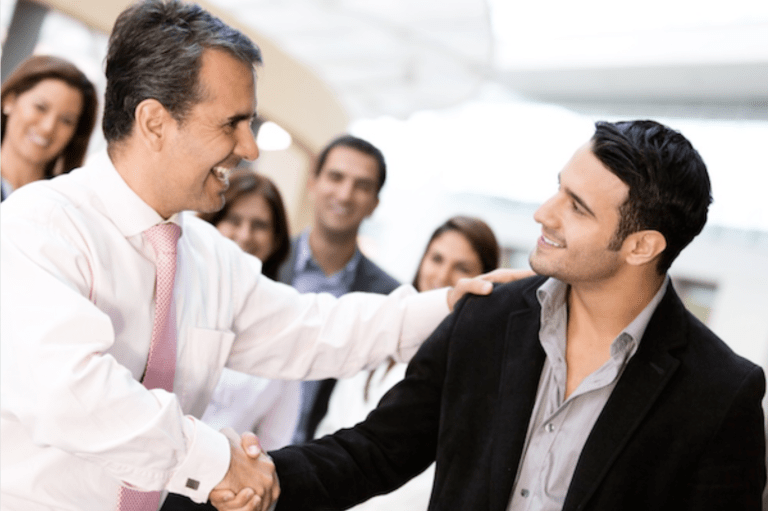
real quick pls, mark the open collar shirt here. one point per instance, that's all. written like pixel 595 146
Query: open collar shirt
pixel 77 294
pixel 559 427
pixel 309 277
pixel 5 189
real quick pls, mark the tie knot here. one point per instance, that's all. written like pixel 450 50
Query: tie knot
pixel 163 237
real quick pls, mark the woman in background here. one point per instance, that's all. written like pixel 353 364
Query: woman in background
pixel 254 217
pixel 48 114
pixel 460 247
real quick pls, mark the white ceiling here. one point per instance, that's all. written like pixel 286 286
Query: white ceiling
pixel 389 57
pixel 396 57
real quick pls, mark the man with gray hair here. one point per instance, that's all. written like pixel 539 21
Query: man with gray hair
pixel 120 311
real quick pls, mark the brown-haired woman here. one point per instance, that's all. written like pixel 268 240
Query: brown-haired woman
pixel 48 114
pixel 254 217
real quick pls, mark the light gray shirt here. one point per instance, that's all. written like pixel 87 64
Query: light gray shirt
pixel 558 428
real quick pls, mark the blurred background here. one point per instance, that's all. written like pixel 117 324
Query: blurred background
pixel 477 105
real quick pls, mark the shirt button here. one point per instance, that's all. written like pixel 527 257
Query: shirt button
pixel 550 427
pixel 524 492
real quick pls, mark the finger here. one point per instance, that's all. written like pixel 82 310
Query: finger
pixel 476 286
pixel 271 488
pixel 250 444
pixel 231 502
pixel 463 286
pixel 504 275
pixel 245 500
pixel 221 496
pixel 257 504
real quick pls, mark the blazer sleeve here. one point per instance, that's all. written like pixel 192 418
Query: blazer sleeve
pixel 731 473
pixel 396 442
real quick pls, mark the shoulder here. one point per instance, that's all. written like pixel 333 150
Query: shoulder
pixel 60 207
pixel 505 298
pixel 285 272
pixel 373 279
pixel 714 358
pixel 707 362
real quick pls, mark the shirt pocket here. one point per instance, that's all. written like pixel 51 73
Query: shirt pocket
pixel 201 359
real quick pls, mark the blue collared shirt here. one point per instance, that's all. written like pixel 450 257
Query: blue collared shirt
pixel 309 277
pixel 5 189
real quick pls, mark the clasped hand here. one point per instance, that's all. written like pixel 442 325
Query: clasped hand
pixel 251 482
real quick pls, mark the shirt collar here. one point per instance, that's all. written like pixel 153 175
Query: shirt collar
pixel 127 210
pixel 551 295
pixel 6 187
pixel 305 259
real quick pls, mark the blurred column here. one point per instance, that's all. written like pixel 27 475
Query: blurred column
pixel 22 36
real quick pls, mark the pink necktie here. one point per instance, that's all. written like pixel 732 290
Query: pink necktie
pixel 161 363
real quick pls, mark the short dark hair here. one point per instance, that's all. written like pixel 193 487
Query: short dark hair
pixel 244 182
pixel 43 67
pixel 669 187
pixel 155 51
pixel 357 144
pixel 479 235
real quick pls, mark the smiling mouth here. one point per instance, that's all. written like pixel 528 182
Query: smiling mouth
pixel 340 210
pixel 221 173
pixel 39 140
pixel 550 242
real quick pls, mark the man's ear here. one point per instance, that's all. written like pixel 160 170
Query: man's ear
pixel 9 103
pixel 643 247
pixel 312 183
pixel 152 122
pixel 373 207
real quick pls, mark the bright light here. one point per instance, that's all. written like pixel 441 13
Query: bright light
pixel 272 137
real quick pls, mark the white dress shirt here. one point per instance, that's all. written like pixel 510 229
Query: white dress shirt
pixel 77 310
pixel 269 408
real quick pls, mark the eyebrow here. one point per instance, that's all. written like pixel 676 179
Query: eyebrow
pixel 241 117
pixel 576 198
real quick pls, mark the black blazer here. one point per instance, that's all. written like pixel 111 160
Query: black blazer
pixel 368 278
pixel 683 429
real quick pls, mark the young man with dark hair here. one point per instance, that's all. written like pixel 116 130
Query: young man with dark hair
pixel 589 387
pixel 344 188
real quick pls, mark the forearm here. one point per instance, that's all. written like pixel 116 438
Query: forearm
pixel 327 337
pixel 397 441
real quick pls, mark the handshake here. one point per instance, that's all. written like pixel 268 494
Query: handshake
pixel 251 482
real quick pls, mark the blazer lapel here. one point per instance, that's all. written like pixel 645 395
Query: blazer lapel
pixel 644 378
pixel 286 271
pixel 521 367
pixel 363 278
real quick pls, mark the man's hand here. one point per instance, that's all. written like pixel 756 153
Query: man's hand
pixel 251 481
pixel 481 285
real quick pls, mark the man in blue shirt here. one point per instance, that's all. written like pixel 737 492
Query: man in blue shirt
pixel 345 187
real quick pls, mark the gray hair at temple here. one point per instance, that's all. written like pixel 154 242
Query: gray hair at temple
pixel 155 51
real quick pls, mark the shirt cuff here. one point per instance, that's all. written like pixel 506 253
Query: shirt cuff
pixel 423 314
pixel 206 463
